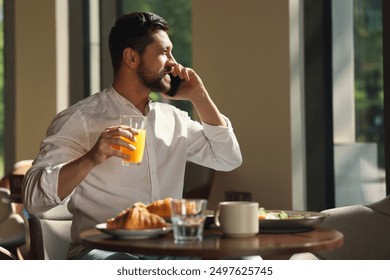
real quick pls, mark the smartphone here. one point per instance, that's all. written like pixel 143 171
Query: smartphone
pixel 175 84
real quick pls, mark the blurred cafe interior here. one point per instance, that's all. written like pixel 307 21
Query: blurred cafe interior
pixel 302 81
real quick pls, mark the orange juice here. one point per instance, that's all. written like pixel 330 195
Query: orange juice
pixel 137 155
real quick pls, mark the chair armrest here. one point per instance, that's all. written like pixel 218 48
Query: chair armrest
pixel 6 255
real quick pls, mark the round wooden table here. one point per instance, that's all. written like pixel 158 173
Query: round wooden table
pixel 215 246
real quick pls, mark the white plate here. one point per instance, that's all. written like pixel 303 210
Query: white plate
pixel 134 234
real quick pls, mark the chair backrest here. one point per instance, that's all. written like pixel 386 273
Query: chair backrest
pixel 5 204
pixel 12 233
pixel 197 181
pixel 6 255
pixel 15 186
pixel 49 234
pixel 366 231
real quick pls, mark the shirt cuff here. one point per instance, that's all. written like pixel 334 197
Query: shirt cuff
pixel 50 182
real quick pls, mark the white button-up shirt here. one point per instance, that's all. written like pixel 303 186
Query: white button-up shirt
pixel 172 138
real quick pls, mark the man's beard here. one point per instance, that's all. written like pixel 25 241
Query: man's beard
pixel 153 81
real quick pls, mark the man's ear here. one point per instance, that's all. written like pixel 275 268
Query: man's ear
pixel 130 57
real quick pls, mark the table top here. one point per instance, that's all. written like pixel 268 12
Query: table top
pixel 215 245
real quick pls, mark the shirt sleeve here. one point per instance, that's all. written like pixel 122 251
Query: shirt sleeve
pixel 214 146
pixel 218 133
pixel 40 188
pixel 62 144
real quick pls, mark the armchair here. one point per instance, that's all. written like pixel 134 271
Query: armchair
pixel 366 232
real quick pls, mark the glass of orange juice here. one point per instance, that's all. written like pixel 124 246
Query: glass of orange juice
pixel 138 123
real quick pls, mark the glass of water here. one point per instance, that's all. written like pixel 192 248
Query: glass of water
pixel 188 219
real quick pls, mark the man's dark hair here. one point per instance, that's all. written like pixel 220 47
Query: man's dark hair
pixel 133 31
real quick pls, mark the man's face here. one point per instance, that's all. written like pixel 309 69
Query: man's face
pixel 156 63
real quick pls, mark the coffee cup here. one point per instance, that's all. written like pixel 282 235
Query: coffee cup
pixel 237 218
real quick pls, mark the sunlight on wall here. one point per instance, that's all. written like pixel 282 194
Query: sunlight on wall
pixel 297 106
pixel 62 54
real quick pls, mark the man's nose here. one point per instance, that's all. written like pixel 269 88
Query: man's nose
pixel 171 62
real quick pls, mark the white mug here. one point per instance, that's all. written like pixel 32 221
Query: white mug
pixel 237 218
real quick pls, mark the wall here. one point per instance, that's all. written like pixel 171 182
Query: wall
pixel 35 73
pixel 241 51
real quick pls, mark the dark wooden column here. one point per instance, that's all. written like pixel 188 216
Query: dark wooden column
pixel 386 86
pixel 318 105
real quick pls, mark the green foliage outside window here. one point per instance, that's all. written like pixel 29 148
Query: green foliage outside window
pixel 369 73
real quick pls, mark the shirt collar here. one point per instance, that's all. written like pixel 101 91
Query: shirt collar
pixel 118 97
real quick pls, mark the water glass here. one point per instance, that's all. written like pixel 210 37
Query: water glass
pixel 188 219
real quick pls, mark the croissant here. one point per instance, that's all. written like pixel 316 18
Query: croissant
pixel 136 217
pixel 190 207
pixel 161 207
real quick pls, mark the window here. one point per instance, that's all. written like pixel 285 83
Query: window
pixel 359 161
pixel 369 94
pixel 369 74
pixel 344 103
pixel 359 156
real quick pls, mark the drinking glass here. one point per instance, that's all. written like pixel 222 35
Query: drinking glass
pixel 138 123
pixel 188 219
